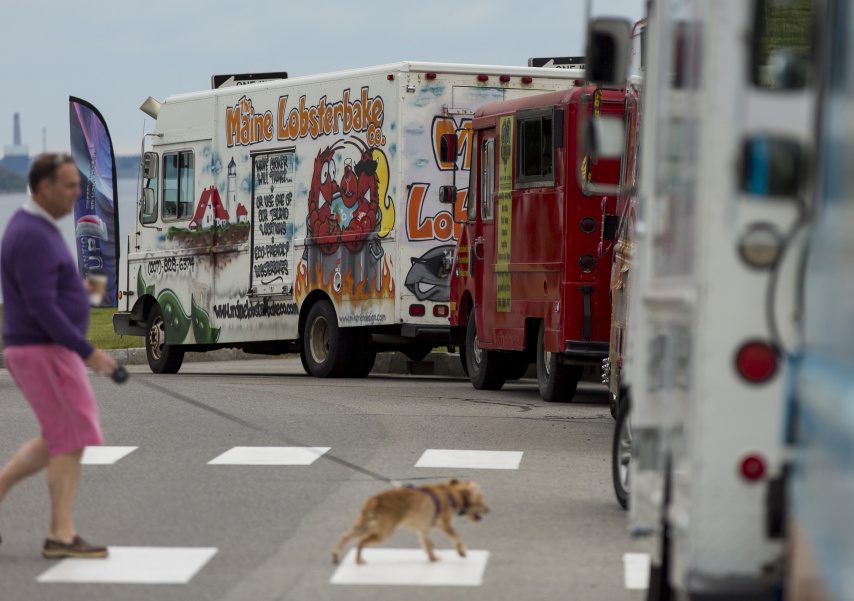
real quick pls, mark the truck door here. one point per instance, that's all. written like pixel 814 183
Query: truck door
pixel 483 246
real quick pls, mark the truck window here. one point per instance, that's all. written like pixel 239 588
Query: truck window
pixel 178 181
pixel 535 152
pixel 472 200
pixel 487 177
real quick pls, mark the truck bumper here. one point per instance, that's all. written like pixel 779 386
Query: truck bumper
pixel 125 324
pixel 582 351
pixel 440 333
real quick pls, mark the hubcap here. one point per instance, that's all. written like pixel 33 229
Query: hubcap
pixel 157 337
pixel 477 354
pixel 319 340
pixel 625 452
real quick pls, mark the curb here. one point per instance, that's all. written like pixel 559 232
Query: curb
pixel 434 364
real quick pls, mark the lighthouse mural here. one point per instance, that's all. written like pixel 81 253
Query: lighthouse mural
pixel 231 192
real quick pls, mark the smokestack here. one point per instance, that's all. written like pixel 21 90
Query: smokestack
pixel 16 140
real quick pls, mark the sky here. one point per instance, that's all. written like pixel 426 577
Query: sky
pixel 116 53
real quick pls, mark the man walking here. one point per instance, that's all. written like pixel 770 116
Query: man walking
pixel 46 315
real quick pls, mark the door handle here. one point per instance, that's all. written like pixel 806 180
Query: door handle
pixel 478 243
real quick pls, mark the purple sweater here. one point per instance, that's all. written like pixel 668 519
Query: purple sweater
pixel 44 301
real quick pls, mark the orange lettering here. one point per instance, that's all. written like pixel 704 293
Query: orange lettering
pixel 232 124
pixel 282 129
pixel 415 228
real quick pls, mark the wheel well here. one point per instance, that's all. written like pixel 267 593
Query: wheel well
pixel 307 304
pixel 532 331
pixel 466 305
pixel 142 308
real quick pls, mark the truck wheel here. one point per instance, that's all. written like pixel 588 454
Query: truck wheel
pixel 325 347
pixel 162 358
pixel 621 455
pixel 485 367
pixel 557 382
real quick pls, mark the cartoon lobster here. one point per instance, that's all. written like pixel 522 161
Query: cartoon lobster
pixel 358 191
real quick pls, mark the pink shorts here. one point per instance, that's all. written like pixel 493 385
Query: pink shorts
pixel 54 381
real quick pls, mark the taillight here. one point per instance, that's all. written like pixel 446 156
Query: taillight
pixel 753 467
pixel 527 79
pixel 756 361
pixel 504 79
pixel 417 310
pixel 483 77
pixel 430 75
pixel 440 310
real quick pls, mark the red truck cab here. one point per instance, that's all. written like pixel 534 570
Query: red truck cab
pixel 531 273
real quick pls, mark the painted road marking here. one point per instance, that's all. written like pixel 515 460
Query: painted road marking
pixel 410 567
pixel 485 460
pixel 134 565
pixel 636 570
pixel 270 456
pixel 105 455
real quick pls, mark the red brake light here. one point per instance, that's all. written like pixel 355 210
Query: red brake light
pixel 483 77
pixel 417 310
pixel 753 467
pixel 756 361
pixel 504 78
pixel 390 77
pixel 527 79
pixel 430 75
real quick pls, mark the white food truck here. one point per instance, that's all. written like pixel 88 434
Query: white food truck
pixel 304 214
pixel 717 239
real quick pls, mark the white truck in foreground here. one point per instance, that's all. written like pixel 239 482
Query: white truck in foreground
pixel 721 205
pixel 304 214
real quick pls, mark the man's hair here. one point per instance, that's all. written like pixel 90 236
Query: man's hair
pixel 45 167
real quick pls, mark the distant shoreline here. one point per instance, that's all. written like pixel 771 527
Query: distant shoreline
pixel 127 167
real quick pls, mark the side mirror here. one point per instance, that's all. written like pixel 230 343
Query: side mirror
pixel 606 137
pixel 448 148
pixel 448 195
pixel 772 166
pixel 149 165
pixel 608 50
pixel 148 211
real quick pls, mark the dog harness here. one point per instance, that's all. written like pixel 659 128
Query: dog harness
pixel 437 504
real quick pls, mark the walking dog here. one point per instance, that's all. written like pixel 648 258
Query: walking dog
pixel 418 508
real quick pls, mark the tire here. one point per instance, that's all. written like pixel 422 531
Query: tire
pixel 464 360
pixel 485 367
pixel 304 363
pixel 621 455
pixel 326 348
pixel 557 382
pixel 162 358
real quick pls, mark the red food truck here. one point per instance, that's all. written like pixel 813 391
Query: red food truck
pixel 531 272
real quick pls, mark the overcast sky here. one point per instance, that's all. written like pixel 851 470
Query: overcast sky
pixel 115 53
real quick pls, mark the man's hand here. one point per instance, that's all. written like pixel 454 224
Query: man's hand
pixel 101 363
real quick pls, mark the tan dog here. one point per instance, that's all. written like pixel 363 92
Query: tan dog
pixel 417 508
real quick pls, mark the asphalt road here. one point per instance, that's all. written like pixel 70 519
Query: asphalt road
pixel 555 530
